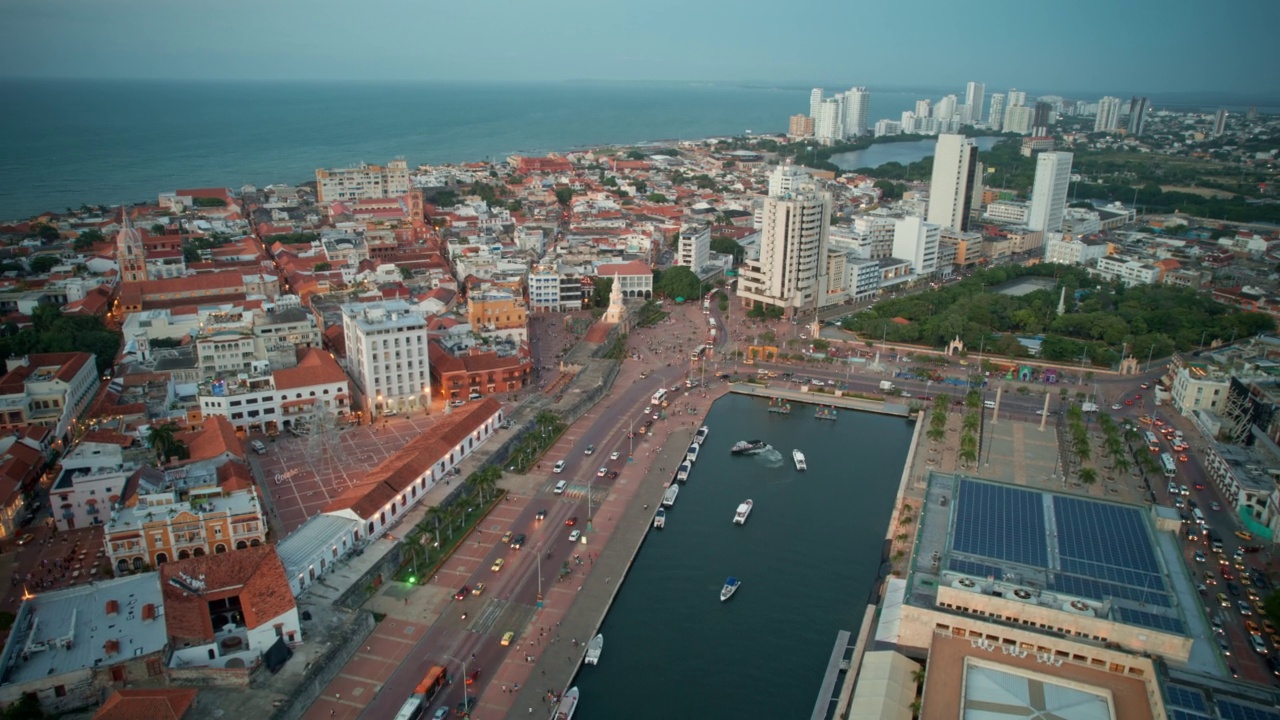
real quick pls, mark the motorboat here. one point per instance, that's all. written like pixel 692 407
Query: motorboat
pixel 748 447
pixel 594 648
pixel 691 454
pixel 701 435
pixel 730 587
pixel 798 457
pixel 669 498
pixel 744 509
pixel 568 703
pixel 682 474
pixel 660 519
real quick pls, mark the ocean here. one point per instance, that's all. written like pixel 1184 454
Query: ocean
pixel 64 143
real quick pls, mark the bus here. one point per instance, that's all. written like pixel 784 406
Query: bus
pixel 658 397
pixel 1153 443
pixel 1166 462
pixel 423 694
pixel 712 321
pixel 697 352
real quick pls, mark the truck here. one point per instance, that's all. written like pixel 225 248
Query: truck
pixel 1089 407
pixel 886 386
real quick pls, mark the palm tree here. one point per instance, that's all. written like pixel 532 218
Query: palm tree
pixel 1088 476
pixel 973 399
pixel 1122 465
pixel 164 440
pixel 970 423
pixel 936 433
pixel 968 455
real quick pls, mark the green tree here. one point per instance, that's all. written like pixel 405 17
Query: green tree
pixel 26 708
pixel 296 238
pixel 203 202
pixel 406 273
pixel 657 198
pixel 728 246
pixel 678 282
pixel 600 292
pixel 87 239
pixel 164 440
pixel 322 266
pixel 564 195
pixel 42 264
pixel 1088 476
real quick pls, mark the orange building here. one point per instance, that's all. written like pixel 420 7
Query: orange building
pixel 480 373
pixel 498 313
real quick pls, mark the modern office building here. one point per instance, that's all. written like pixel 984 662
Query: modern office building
pixel 1043 116
pixel 1049 194
pixel 693 247
pixel 856 107
pixel 1137 115
pixel 917 241
pixel 1019 119
pixel 363 181
pixel 790 272
pixel 956 187
pixel 974 93
pixel 995 120
pixel 387 355
pixel 1108 117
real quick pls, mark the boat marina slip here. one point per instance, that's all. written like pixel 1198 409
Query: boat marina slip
pixel 829 523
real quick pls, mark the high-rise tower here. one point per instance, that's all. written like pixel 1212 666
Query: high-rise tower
pixel 957 179
pixel 1108 118
pixel 1137 115
pixel 995 120
pixel 856 102
pixel 1049 194
pixel 974 93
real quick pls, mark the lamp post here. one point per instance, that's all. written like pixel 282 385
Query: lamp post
pixel 1149 352
pixel 463 663
pixel 377 407
pixel 426 399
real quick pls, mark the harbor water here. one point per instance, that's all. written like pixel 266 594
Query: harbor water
pixel 905 152
pixel 807 557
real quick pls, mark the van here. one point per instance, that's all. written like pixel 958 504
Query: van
pixel 559 467
pixel 560 486
pixel 989 404
pixel 1198 516
pixel 258 447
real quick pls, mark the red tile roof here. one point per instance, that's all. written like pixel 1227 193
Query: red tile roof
pixel 68 365
pixel 147 704
pixel 634 267
pixel 315 367
pixel 255 574
pixel 217 437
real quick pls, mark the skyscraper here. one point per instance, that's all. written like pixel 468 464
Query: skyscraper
pixel 957 178
pixel 1137 115
pixel 945 108
pixel 974 93
pixel 856 102
pixel 924 108
pixel 1040 121
pixel 791 270
pixel 1017 98
pixel 1220 122
pixel 815 98
pixel 828 123
pixel 1049 193
pixel 1018 119
pixel 1108 118
pixel 995 120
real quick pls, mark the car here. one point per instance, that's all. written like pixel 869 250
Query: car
pixel 1158 423
pixel 1245 609
pixel 25 538
pixel 1253 628
pixel 1128 402
pixel 462 593
pixel 457 403
pixel 1183 490
pixel 571 521
pixel 1259 645
pixel 478 589
pixel 1223 600
pixel 613 475
pixel 1233 589
pixel 602 472
pixel 1273 662
pixel 1115 406
pixel 518 542
pixel 573 536
pixel 1183 458
pixel 558 467
pixel 497 564
pixel 1224 646
pixel 1145 386
pixel 1210 579
pixel 591 449
pixel 615 455
pixel 1199 556
pixel 541 515
pixel 1198 486
pixel 506 537
pixel 1214 506
pixel 507 637
pixel 468 704
pixel 473 676
pixel 441 713
pixel 1243 535
pixel 1179 503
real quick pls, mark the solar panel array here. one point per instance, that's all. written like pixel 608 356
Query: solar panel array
pixel 1179 714
pixel 1000 522
pixel 1150 620
pixel 1098 590
pixel 976 569
pixel 1106 541
pixel 1181 696
pixel 1232 710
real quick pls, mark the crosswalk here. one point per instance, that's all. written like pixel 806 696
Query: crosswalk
pixel 573 491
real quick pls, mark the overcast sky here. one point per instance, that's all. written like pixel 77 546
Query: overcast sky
pixel 1046 45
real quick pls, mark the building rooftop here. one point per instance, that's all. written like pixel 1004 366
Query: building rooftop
pixel 303 544
pixel 385 315
pixel 193 587
pixel 85 626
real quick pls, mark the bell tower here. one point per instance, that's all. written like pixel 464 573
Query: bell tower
pixel 131 256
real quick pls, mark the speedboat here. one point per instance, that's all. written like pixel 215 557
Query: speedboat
pixel 740 517
pixel 568 703
pixel 748 447
pixel 682 473
pixel 669 498
pixel 660 519
pixel 701 434
pixel 798 457
pixel 691 454
pixel 594 648
pixel 730 587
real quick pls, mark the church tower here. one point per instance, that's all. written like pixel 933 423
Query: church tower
pixel 131 256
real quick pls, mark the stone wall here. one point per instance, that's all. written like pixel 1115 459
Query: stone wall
pixel 355 594
pixel 345 644
pixel 215 677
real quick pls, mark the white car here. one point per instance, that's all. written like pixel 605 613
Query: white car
pixel 1116 406
pixel 559 467
pixel 615 455
pixel 602 472
pixel 573 536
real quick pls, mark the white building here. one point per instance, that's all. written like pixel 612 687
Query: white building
pixel 995 120
pixel 693 248
pixel 1081 221
pixel 278 400
pixel 956 186
pixel 1065 249
pixel 387 355
pixel 363 181
pixel 1049 193
pixel 974 99
pixel 1019 119
pixel 1108 117
pixel 790 272
pixel 815 99
pixel 828 124
pixel 917 241
pixel 862 278
pixel 1007 211
pixel 1196 388
pixel 946 108
pixel 635 277
pixel 93 477
pixel 787 178
pixel 1126 270
pixel 888 127
pixel 50 389
pixel 1017 98
pixel 554 289
pixel 856 108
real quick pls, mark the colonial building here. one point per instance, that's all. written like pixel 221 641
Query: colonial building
pixel 265 401
pixel 476 373
pixel 50 389
pixel 498 314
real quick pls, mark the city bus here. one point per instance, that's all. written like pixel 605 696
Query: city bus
pixel 1166 462
pixel 423 694
pixel 1153 443
pixel 697 352
pixel 658 397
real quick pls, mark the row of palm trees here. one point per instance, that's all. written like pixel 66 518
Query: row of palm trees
pixel 547 427
pixel 442 523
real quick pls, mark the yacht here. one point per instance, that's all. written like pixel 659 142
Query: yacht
pixel 660 519
pixel 740 517
pixel 568 703
pixel 669 498
pixel 748 447
pixel 701 436
pixel 798 457
pixel 730 587
pixel 692 453
pixel 594 648
pixel 682 473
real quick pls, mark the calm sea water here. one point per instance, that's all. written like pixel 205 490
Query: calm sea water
pixel 68 142
pixel 807 557
pixel 900 152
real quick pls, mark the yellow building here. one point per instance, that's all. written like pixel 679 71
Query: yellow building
pixel 170 525
pixel 498 313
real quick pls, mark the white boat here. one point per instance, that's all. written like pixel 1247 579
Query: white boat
pixel 798 457
pixel 682 474
pixel 692 453
pixel 702 434
pixel 730 587
pixel 568 703
pixel 660 519
pixel 594 648
pixel 749 447
pixel 669 498
pixel 740 517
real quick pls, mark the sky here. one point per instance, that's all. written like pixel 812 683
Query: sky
pixel 1140 46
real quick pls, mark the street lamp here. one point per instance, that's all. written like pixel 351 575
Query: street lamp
pixel 378 406
pixel 463 663
pixel 426 399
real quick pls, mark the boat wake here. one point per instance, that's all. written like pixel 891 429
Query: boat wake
pixel 771 457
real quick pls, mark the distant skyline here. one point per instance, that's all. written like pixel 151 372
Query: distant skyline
pixel 1090 46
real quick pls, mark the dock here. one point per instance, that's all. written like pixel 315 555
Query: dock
pixel 831 400
pixel 826 413
pixel 779 406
